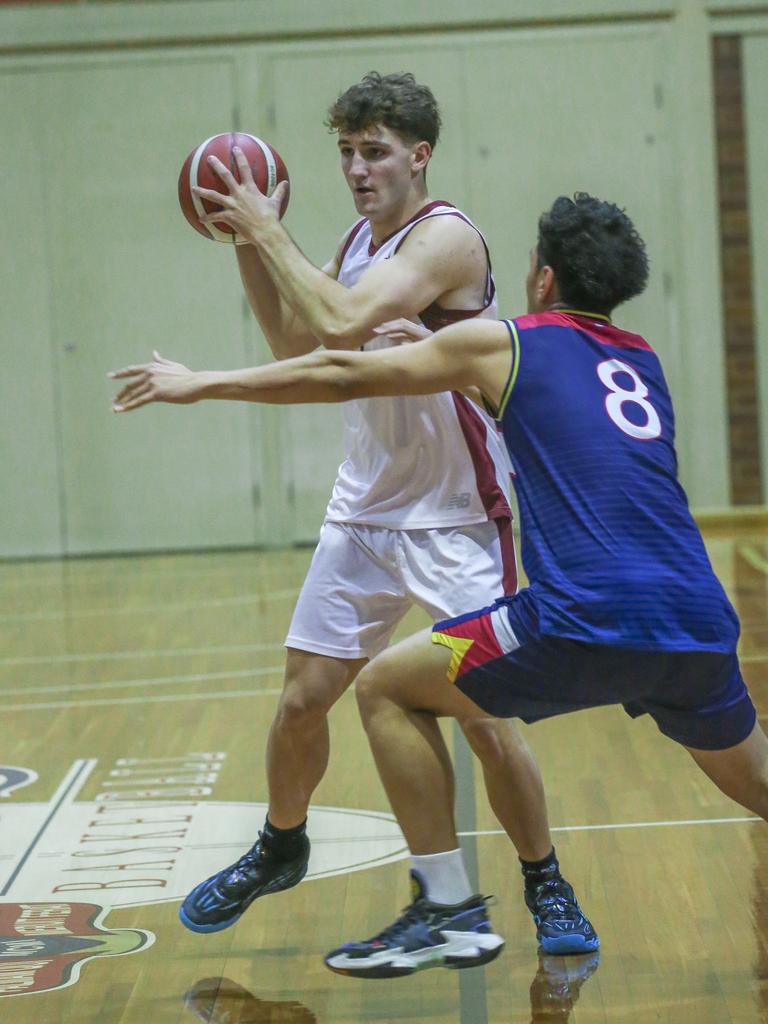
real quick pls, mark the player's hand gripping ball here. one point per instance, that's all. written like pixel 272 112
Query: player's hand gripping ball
pixel 267 168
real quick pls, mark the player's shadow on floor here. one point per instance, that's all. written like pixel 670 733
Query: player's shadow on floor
pixel 221 1001
pixel 554 991
pixel 556 986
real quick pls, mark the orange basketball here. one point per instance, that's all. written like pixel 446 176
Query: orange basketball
pixel 267 169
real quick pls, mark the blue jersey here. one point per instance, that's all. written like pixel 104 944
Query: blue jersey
pixel 608 543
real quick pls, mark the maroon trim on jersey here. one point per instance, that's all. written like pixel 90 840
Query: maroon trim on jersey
pixel 354 232
pixel 475 434
pixel 434 316
pixel 596 326
pixel 372 249
pixel 508 556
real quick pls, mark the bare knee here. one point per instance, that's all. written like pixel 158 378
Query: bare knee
pixel 369 690
pixel 312 687
pixel 741 772
pixel 299 708
pixel 492 739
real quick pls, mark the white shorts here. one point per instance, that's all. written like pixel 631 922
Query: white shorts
pixel 363 579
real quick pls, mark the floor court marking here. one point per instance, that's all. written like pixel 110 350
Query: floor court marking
pixel 491 833
pixel 158 652
pixel 169 652
pixel 473 997
pixel 625 824
pixel 70 786
pixel 129 684
pixel 73 705
pixel 181 652
pixel 80 577
pixel 85 613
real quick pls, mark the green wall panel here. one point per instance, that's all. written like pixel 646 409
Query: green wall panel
pixel 30 510
pixel 130 275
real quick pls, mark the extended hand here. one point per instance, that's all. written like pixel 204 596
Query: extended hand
pixel 244 206
pixel 403 330
pixel 158 381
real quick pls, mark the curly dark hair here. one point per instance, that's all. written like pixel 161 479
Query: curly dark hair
pixel 598 257
pixel 396 101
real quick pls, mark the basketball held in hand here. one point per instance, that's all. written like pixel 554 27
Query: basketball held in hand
pixel 267 168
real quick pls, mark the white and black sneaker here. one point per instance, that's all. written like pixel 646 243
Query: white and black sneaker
pixel 426 935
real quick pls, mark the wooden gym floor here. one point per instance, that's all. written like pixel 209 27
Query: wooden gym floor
pixel 138 693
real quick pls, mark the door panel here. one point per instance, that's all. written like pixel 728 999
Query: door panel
pixel 29 492
pixel 130 275
pixel 595 128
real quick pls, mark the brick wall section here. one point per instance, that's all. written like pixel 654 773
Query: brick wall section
pixel 736 262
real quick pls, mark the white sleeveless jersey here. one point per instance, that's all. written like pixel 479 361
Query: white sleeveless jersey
pixel 417 461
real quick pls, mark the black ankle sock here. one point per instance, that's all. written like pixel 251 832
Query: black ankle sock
pixel 285 842
pixel 537 871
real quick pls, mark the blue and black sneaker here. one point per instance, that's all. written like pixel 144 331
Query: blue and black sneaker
pixel 223 898
pixel 427 935
pixel 561 927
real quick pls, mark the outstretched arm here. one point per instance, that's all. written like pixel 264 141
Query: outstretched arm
pixel 475 352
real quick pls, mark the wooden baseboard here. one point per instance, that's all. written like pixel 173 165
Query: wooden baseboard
pixel 736 517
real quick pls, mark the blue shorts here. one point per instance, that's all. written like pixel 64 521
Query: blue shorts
pixel 503 663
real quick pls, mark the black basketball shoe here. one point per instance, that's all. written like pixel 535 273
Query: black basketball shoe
pixel 561 927
pixel 222 899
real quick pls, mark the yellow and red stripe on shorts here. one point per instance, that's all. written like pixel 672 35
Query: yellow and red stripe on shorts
pixel 475 639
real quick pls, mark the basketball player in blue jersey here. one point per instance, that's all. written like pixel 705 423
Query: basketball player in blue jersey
pixel 409 521
pixel 622 606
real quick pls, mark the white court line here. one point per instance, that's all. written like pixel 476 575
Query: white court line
pixel 73 782
pixel 80 576
pixel 628 824
pixel 84 613
pixel 166 652
pixel 129 684
pixel 73 705
pixel 158 652
pixel 242 843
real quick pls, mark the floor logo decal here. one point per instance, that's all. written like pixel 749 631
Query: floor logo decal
pixel 44 945
pixel 149 834
pixel 13 778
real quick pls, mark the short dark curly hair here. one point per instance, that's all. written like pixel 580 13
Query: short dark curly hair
pixel 396 101
pixel 597 256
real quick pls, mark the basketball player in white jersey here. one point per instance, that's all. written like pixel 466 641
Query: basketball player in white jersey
pixel 419 511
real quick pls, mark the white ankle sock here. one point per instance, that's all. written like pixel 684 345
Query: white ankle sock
pixel 445 876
